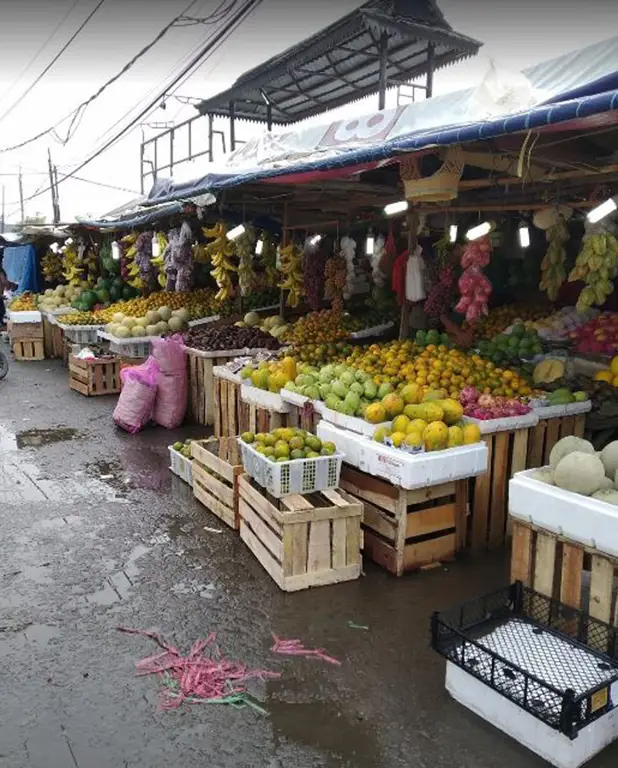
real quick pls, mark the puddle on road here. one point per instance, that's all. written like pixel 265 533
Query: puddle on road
pixel 37 636
pixel 35 438
pixel 119 585
pixel 146 468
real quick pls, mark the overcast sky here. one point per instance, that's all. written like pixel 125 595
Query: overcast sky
pixel 516 34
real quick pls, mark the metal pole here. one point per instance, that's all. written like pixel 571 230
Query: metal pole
pixel 141 165
pixel 211 149
pixel 52 186
pixel 430 65
pixel 232 126
pixel 171 151
pixel 57 193
pixel 21 194
pixel 383 65
pixel 269 117
pixel 2 230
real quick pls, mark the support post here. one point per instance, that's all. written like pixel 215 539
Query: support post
pixel 211 149
pixel 284 242
pixel 431 50
pixel 232 126
pixel 20 181
pixel 412 219
pixel 269 117
pixel 171 151
pixel 141 165
pixel 3 211
pixel 53 188
pixel 383 64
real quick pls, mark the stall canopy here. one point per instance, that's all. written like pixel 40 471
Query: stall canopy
pixel 574 92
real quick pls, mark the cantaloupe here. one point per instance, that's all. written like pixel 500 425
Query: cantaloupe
pixel 568 445
pixel 608 496
pixel 579 472
pixel 609 457
pixel 606 484
pixel 544 475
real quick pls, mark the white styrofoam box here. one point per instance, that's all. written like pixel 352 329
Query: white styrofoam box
pixel 353 423
pixel 589 521
pixel 221 372
pixel 272 401
pixel 288 477
pixel 81 334
pixel 490 426
pixel 52 313
pixel 412 471
pixel 127 347
pixel 551 745
pixel 348 443
pixel 213 353
pixel 294 398
pixel 373 331
pixel 29 316
pixel 181 466
pixel 203 321
pixel 571 409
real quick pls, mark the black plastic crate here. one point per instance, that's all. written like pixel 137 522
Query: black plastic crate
pixel 555 662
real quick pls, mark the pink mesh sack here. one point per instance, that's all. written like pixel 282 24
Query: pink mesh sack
pixel 171 401
pixel 139 389
pixel 169 354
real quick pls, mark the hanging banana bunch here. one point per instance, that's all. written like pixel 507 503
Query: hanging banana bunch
pixel 91 265
pixel 597 266
pixel 51 265
pixel 73 272
pixel 291 258
pixel 247 278
pixel 134 278
pixel 220 251
pixel 553 272
pixel 158 262
pixel 269 260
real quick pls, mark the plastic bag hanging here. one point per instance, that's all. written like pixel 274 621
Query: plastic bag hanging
pixel 415 268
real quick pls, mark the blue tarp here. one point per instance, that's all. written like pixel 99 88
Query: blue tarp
pixel 134 219
pixel 19 263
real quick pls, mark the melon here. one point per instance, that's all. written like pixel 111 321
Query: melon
pixel 545 475
pixel 122 332
pixel 165 313
pixel 606 484
pixel 182 313
pixel 128 322
pixel 138 331
pixel 118 317
pixel 152 317
pixel 568 445
pixel 175 324
pixel 151 330
pixel 162 327
pixel 608 496
pixel 609 457
pixel 252 319
pixel 579 472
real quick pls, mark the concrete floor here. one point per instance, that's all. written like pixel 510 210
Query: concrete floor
pixel 95 532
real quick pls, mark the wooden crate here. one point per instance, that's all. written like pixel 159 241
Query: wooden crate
pixel 201 405
pixel 25 331
pixel 406 530
pixel 100 376
pixel 216 467
pixel 302 541
pixel 232 416
pixel 29 349
pixel 304 417
pixel 507 454
pixel 557 568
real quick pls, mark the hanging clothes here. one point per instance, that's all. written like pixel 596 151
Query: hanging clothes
pixel 398 277
pixel 415 281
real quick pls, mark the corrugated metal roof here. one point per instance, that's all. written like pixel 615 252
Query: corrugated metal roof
pixel 340 64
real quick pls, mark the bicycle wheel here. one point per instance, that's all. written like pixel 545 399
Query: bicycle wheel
pixel 4 364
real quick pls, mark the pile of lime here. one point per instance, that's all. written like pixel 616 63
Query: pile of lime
pixel 288 444
pixel 519 344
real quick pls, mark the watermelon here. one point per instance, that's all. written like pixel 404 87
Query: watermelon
pixel 128 292
pixel 103 295
pixel 89 299
pixel 115 293
pixel 118 282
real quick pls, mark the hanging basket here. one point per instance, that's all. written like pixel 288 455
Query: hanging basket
pixel 441 187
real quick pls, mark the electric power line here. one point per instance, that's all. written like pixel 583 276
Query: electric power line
pixel 76 114
pixel 64 48
pixel 26 69
pixel 246 9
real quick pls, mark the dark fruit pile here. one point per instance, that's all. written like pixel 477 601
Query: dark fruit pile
pixel 314 266
pixel 441 295
pixel 229 337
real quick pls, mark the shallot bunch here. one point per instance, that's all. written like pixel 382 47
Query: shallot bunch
pixel 474 286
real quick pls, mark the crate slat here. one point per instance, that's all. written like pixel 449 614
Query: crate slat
pixel 100 376
pixel 216 471
pixel 29 349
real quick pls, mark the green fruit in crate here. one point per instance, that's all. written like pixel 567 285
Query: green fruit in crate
pixel 328 449
pixel 282 449
pixel 260 437
pixel 297 453
pixel 248 437
pixel 177 446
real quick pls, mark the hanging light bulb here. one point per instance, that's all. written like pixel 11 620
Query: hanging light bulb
pixel 69 241
pixel 601 211
pixel 315 239
pixel 369 245
pixel 156 250
pixel 235 233
pixel 479 231
pixel 524 236
pixel 54 247
pixel 393 208
pixel 115 251
pixel 453 231
pixel 259 247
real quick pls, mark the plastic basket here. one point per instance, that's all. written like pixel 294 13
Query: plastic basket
pixel 81 334
pixel 136 347
pixel 287 477
pixel 181 466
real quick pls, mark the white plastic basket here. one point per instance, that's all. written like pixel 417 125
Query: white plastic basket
pixel 181 466
pixel 81 334
pixel 137 347
pixel 287 477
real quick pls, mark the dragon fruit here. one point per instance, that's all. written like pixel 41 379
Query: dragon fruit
pixel 487 401
pixel 469 396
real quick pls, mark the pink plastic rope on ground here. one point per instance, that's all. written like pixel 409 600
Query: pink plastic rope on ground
pixel 296 648
pixel 203 676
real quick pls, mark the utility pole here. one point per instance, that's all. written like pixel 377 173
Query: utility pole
pixel 21 195
pixel 2 230
pixel 53 188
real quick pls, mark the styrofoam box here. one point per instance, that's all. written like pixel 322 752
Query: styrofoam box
pixel 526 729
pixel 579 518
pixel 221 372
pixel 294 398
pixel 214 353
pixel 353 423
pixel 203 321
pixel 288 477
pixel 81 334
pixel 571 409
pixel 412 471
pixel 490 426
pixel 181 466
pixel 50 313
pixel 30 316
pixel 373 331
pixel 127 347
pixel 272 401
pixel 348 443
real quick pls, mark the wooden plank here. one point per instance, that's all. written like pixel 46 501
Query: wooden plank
pixel 339 543
pixel 377 520
pixel 319 558
pixel 295 502
pixel 571 575
pixel 567 424
pixel 462 488
pixel 78 386
pixel 380 552
pixel 520 451
pixel 214 505
pixel 368 483
pixel 601 586
pixel 215 486
pixel 219 397
pixel 265 534
pixel 259 503
pixel 321 579
pixel 482 496
pixel 579 425
pixel 535 445
pixel 422 495
pixel 422 553
pixel 266 560
pixel 430 520
pixel 353 540
pixel 232 426
pixel 544 563
pixel 208 459
pixel 499 490
pixel 551 438
pixel 521 555
pixel 300 541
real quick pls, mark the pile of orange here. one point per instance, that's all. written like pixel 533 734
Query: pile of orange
pixel 436 367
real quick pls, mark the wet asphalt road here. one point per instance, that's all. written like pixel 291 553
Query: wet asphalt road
pixel 95 532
